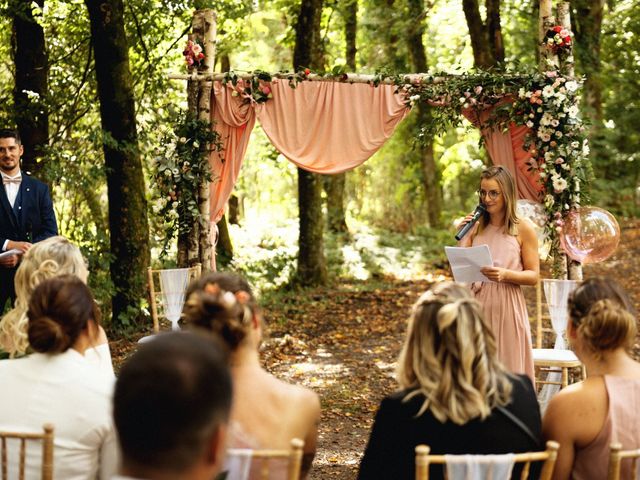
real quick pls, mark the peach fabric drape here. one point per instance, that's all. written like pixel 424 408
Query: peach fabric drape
pixel 330 127
pixel 323 127
pixel 234 121
pixel 507 149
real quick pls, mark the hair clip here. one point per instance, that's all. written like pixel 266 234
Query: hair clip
pixel 243 297
pixel 212 288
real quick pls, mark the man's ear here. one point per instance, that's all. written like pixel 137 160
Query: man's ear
pixel 217 446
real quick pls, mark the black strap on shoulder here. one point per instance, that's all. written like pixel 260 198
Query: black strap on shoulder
pixel 519 423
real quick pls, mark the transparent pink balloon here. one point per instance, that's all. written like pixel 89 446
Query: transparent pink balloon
pixel 589 234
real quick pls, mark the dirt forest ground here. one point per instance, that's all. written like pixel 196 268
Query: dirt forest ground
pixel 343 343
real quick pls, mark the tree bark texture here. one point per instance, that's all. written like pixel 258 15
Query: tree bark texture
pixel 224 247
pixel 32 69
pixel 334 185
pixel 587 21
pixel 432 177
pixel 312 268
pixel 204 26
pixel 486 37
pixel 128 223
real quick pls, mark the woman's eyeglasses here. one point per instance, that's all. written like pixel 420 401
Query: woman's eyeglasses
pixel 492 194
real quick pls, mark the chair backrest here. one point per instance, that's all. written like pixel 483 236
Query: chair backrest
pixel 549 456
pixel 541 315
pixel 162 296
pixel 616 456
pixel 259 461
pixel 47 451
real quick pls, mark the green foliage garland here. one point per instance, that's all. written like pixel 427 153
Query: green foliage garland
pixel 179 169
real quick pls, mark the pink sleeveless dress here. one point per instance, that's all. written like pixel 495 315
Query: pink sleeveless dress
pixel 621 425
pixel 504 306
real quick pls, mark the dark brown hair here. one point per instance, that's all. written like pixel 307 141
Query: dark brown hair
pixel 602 314
pixel 222 303
pixel 59 310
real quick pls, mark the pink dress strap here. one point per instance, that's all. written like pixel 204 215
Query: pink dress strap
pixel 622 424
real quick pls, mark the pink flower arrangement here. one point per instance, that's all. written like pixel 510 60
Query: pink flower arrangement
pixel 193 54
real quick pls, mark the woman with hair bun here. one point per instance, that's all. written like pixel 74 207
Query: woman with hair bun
pixel 586 417
pixel 57 384
pixel 49 258
pixel 266 412
pixel 455 396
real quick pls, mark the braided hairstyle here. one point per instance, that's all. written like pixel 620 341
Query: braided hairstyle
pixel 221 303
pixel 450 357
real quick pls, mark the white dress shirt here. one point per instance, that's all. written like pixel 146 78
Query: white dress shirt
pixel 12 188
pixel 68 391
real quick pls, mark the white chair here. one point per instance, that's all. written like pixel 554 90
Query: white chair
pixel 167 289
pixel 554 363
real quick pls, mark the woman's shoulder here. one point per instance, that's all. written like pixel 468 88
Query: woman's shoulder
pixel 296 395
pixel 586 398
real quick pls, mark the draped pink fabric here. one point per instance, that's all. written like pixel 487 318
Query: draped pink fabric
pixel 507 149
pixel 323 127
pixel 330 127
pixel 234 121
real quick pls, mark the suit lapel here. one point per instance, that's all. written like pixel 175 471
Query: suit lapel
pixel 22 204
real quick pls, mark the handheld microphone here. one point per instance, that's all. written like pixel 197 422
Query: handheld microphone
pixel 477 213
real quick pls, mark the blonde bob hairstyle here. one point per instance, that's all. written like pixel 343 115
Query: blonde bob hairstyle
pixel 49 258
pixel 450 357
pixel 508 189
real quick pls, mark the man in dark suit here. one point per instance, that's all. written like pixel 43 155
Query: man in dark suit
pixel 26 212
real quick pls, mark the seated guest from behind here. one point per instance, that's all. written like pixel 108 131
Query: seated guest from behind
pixel 58 385
pixel 50 258
pixel 267 412
pixel 586 417
pixel 455 396
pixel 171 406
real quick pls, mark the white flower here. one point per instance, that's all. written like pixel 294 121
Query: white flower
pixel 585 149
pixel 548 156
pixel 547 91
pixel 167 172
pixel 577 185
pixel 548 200
pixel 462 99
pixel 559 160
pixel 572 111
pixel 522 93
pixel 575 144
pixel 529 124
pixel 196 144
pixel 571 86
pixel 414 98
pixel 182 140
pixel 555 122
pixel 174 205
pixel 176 171
pixel 559 184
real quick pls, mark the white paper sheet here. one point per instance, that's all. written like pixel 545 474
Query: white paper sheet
pixel 13 251
pixel 467 261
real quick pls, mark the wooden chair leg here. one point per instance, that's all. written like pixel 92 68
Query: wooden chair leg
pixel 565 377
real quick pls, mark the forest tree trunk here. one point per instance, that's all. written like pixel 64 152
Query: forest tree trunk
pixel 431 176
pixel 486 37
pixel 128 223
pixel 32 69
pixel 312 268
pixel 334 185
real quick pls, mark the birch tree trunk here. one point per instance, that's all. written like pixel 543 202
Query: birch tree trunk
pixel 204 25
